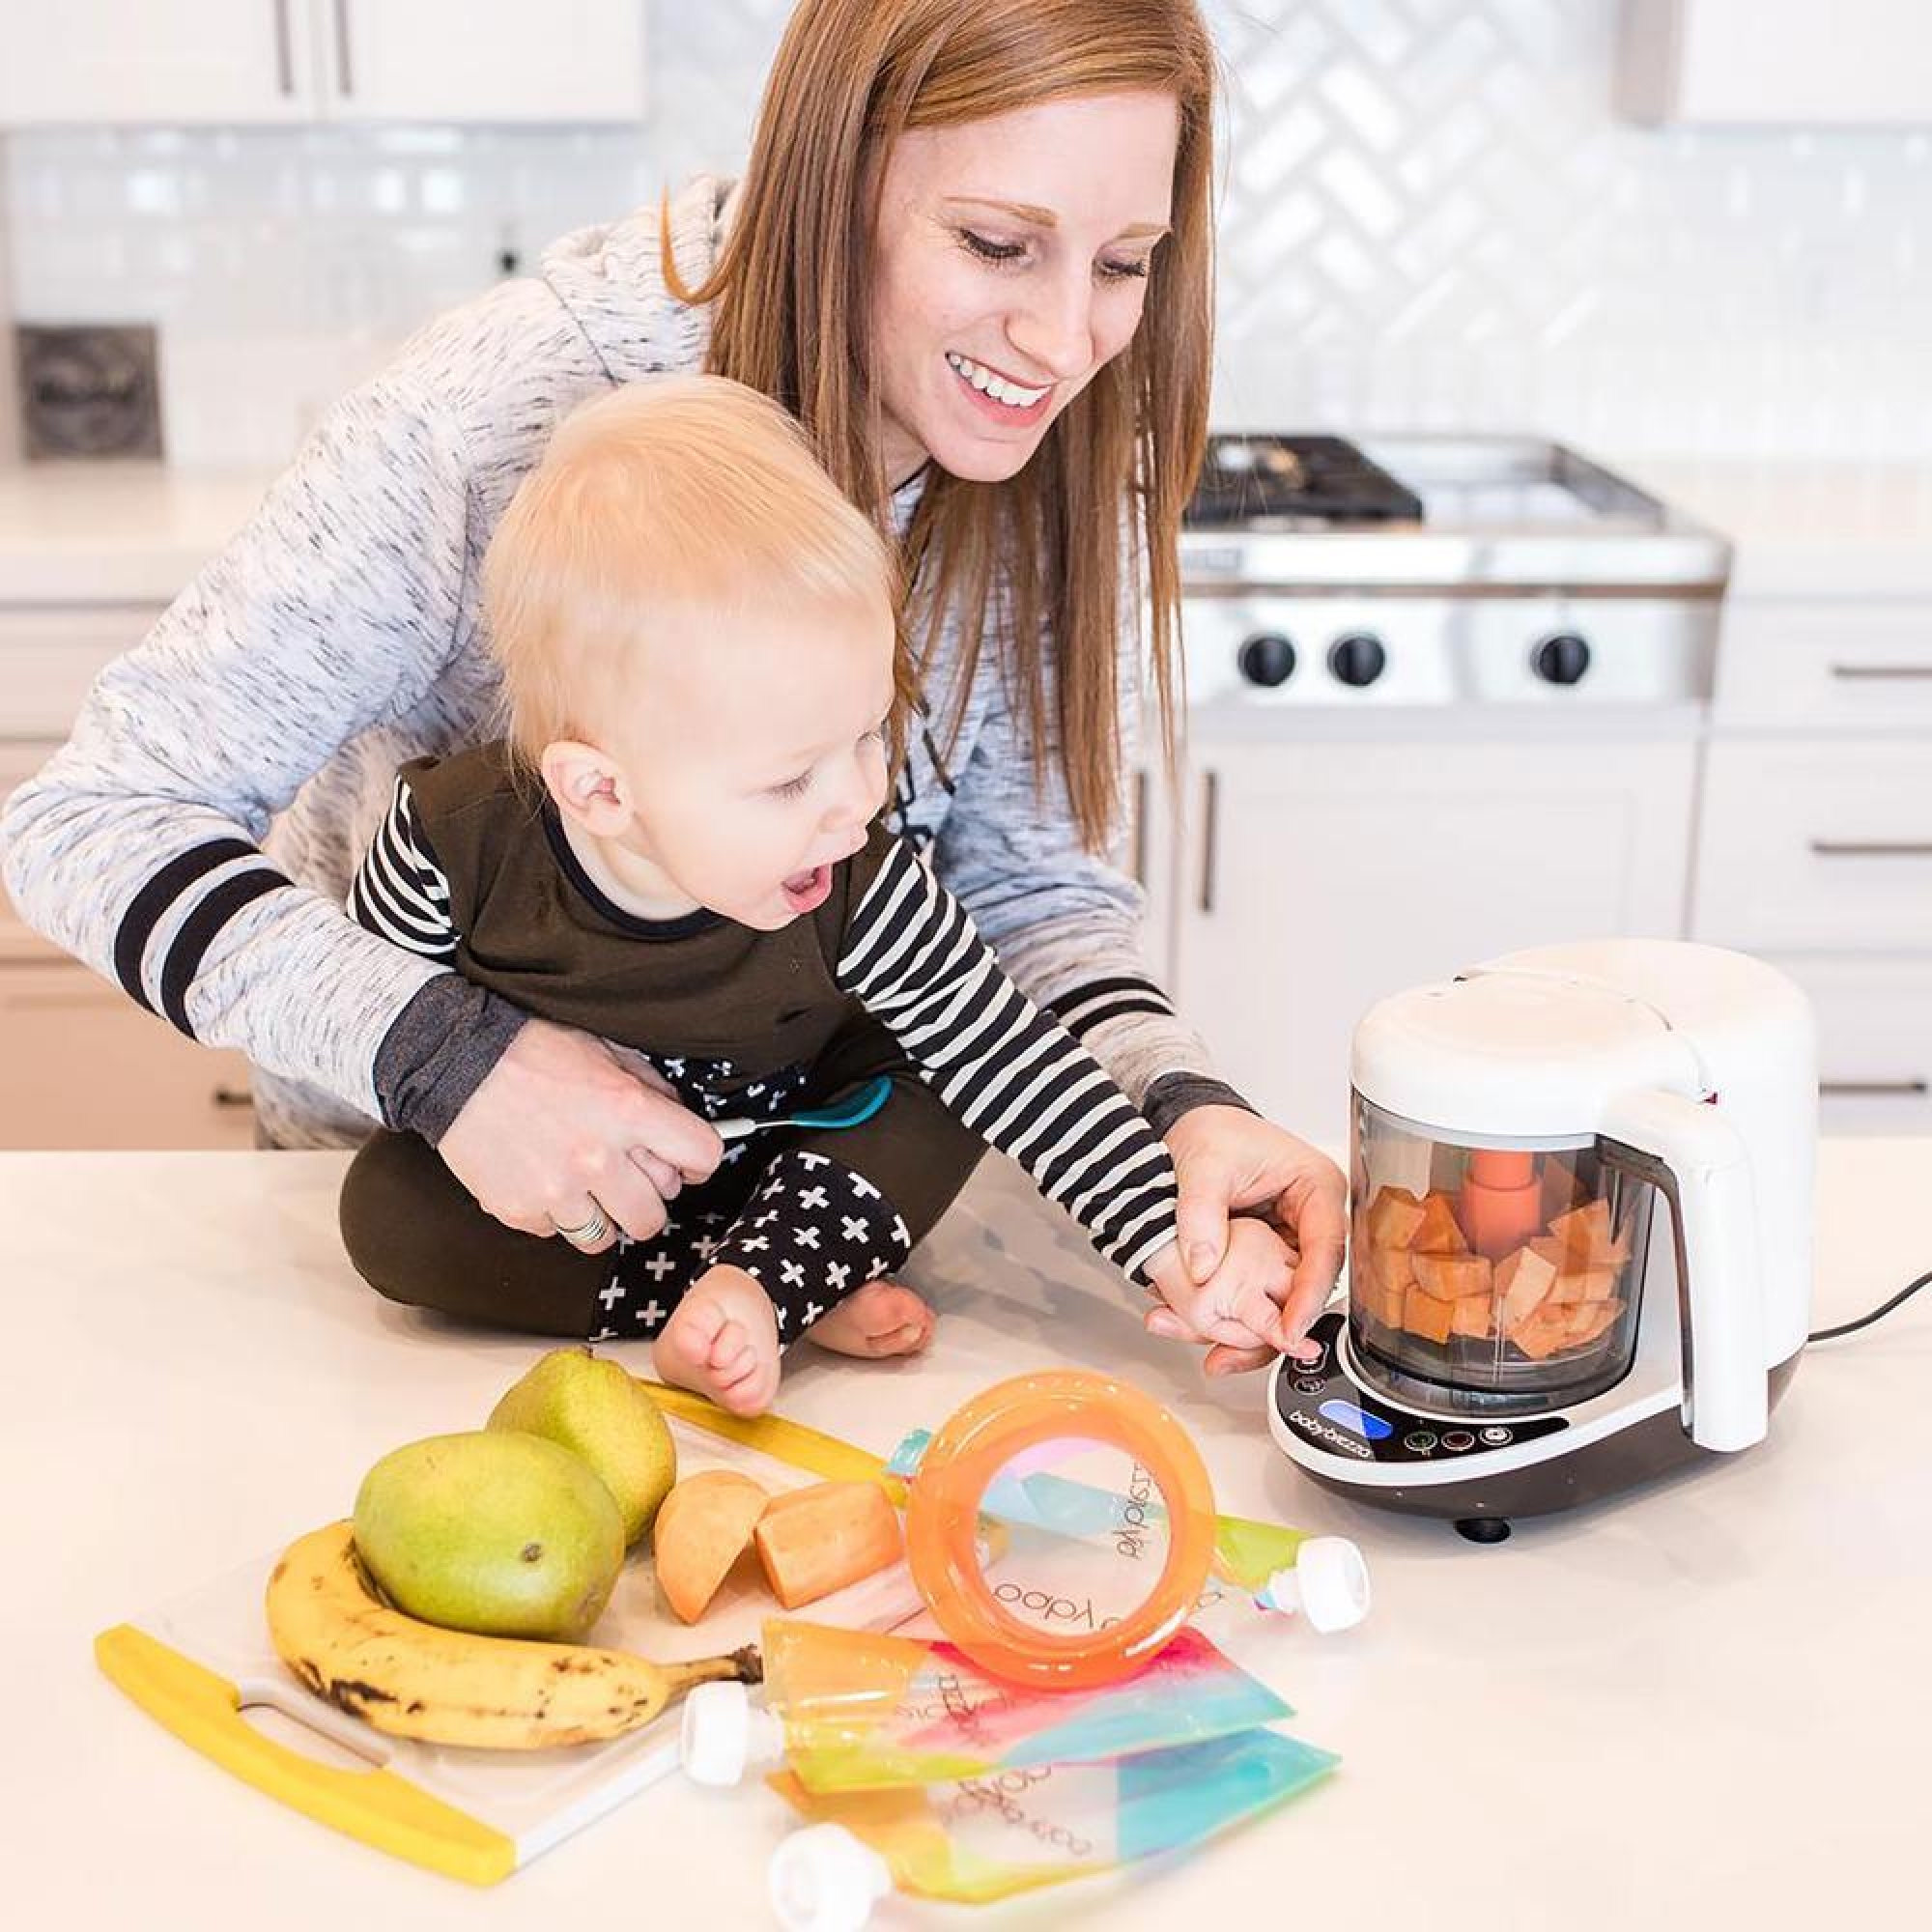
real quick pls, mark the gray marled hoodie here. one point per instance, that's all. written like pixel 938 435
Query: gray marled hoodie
pixel 196 835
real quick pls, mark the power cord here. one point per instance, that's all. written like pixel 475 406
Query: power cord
pixel 1905 1294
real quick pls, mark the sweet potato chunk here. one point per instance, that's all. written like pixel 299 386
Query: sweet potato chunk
pixel 1438 1233
pixel 1524 1280
pixel 1597 1284
pixel 1394 1216
pixel 1543 1333
pixel 1584 1235
pixel 816 1540
pixel 1473 1315
pixel 1450 1277
pixel 1423 1315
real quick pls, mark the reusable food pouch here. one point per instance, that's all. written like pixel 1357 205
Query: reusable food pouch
pixel 1072 1550
pixel 988 1838
pixel 864 1712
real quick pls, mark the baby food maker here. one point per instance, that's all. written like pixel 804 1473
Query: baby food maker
pixel 1581 1241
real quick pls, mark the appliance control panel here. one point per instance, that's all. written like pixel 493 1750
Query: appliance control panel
pixel 1318 1401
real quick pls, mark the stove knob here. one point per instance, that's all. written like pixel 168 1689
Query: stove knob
pixel 1562 658
pixel 1267 657
pixel 1358 659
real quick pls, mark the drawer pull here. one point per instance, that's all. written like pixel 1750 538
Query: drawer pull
pixel 1866 1089
pixel 1872 848
pixel 233 1097
pixel 1879 672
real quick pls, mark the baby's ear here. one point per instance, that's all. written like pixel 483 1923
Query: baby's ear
pixel 586 785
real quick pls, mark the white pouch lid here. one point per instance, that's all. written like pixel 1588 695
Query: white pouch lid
pixel 823 1878
pixel 1329 1585
pixel 721 1734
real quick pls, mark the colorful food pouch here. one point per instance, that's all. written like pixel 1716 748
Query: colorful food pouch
pixel 864 1712
pixel 983 1839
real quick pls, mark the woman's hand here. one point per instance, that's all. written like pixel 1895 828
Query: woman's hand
pixel 1237 1309
pixel 1225 1158
pixel 565 1126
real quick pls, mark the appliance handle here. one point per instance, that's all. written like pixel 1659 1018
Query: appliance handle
pixel 1697 1157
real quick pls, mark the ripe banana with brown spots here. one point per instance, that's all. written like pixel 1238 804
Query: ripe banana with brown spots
pixel 418 1680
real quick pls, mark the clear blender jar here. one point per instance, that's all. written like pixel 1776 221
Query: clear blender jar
pixel 1491 1279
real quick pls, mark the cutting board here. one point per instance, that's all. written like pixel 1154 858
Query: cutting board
pixel 202 1662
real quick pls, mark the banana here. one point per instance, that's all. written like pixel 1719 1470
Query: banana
pixel 418 1680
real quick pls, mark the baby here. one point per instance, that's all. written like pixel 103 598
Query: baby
pixel 675 846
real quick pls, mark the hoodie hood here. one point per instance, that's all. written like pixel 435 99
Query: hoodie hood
pixel 609 278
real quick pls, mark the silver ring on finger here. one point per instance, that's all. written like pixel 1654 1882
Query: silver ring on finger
pixel 590 1233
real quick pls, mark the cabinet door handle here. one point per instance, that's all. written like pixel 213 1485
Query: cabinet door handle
pixel 1872 848
pixel 285 60
pixel 345 73
pixel 1209 812
pixel 1903 1089
pixel 233 1097
pixel 1851 672
pixel 1140 828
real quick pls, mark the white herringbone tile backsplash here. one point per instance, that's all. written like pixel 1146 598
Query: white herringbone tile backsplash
pixel 1430 217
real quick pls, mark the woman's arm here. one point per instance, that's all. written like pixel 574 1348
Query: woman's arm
pixel 136 845
pixel 1065 921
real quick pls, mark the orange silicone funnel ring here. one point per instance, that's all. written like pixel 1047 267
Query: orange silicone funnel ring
pixel 943 1518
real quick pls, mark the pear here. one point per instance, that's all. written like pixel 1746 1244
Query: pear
pixel 592 1407
pixel 492 1531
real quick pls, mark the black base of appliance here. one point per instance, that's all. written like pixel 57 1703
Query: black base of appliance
pixel 1613 1464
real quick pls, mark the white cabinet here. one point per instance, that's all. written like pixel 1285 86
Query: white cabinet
pixel 484 60
pixel 123 61
pixel 1815 843
pixel 1777 62
pixel 237 62
pixel 1315 875
pixel 81 1065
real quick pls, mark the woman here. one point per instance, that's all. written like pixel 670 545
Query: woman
pixel 971 252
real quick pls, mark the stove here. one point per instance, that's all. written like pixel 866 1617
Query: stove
pixel 1419 570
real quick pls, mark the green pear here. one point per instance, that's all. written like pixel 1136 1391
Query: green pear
pixel 595 1407
pixel 491 1531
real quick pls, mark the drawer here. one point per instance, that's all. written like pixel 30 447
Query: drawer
pixel 81 1065
pixel 1826 667
pixel 1874 1041
pixel 20 760
pixel 51 653
pixel 1816 845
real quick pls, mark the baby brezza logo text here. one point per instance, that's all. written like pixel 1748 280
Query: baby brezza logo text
pixel 997 1794
pixel 1132 1537
pixel 1055 1609
pixel 1321 1431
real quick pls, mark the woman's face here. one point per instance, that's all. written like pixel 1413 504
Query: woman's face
pixel 1011 263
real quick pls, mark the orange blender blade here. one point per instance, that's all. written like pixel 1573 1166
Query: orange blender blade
pixel 1501 1200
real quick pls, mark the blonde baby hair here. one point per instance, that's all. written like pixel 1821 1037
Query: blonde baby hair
pixel 676 494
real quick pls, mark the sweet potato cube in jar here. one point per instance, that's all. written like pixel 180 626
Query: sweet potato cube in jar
pixel 1393 1270
pixel 1439 1233
pixel 1584 1236
pixel 1450 1277
pixel 1578 1284
pixel 1523 1281
pixel 1589 1319
pixel 1474 1316
pixel 1394 1216
pixel 1423 1315
pixel 1542 1334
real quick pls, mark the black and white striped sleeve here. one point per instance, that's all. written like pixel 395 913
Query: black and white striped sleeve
pixel 400 891
pixel 1010 1072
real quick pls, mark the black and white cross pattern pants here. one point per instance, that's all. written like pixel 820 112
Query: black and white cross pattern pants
pixel 807 1227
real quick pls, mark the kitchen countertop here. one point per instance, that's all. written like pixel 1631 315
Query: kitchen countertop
pixel 137 532
pixel 1824 529
pixel 114 532
pixel 1701 1705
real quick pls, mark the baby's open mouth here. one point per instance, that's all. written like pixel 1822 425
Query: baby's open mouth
pixel 806 891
